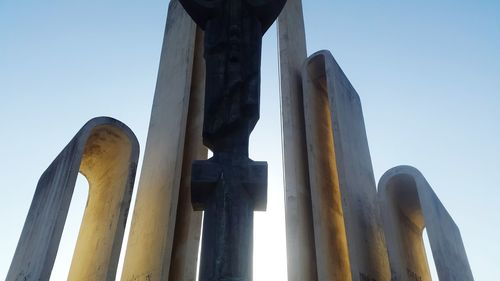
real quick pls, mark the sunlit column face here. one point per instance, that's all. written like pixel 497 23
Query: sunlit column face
pixel 105 151
pixel 408 205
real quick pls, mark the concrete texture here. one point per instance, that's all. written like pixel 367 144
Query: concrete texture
pixel 301 259
pixel 188 222
pixel 105 151
pixel 408 206
pixel 348 235
pixel 164 234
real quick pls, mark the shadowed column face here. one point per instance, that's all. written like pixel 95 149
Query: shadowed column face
pixel 230 186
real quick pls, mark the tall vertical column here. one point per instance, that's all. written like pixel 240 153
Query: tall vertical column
pixel 230 186
pixel 299 227
pixel 149 254
pixel 188 223
pixel 348 233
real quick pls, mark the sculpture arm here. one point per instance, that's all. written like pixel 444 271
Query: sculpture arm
pixel 201 10
pixel 267 11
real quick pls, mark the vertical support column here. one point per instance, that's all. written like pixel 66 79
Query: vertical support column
pixel 299 228
pixel 349 238
pixel 188 223
pixel 150 245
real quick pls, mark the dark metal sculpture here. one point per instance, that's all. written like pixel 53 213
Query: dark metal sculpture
pixel 230 186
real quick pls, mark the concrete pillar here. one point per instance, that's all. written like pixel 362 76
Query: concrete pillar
pixel 348 235
pixel 408 206
pixel 299 228
pixel 188 222
pixel 162 212
pixel 105 151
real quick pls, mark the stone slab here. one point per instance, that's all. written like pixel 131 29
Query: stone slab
pixel 301 258
pixel 184 258
pixel 349 238
pixel 151 240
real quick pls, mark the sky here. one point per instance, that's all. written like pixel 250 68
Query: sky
pixel 427 72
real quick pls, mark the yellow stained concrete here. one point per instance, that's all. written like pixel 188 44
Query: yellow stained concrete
pixel 408 206
pixel 105 164
pixel 106 152
pixel 332 253
pixel 349 239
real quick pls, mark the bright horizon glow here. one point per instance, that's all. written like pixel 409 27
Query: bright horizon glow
pixel 427 74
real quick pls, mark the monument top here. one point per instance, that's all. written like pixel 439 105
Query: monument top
pixel 201 11
pixel 232 52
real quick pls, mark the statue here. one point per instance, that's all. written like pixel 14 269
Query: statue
pixel 233 42
pixel 229 186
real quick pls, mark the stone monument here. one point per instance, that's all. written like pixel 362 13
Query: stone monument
pixel 229 186
pixel 338 228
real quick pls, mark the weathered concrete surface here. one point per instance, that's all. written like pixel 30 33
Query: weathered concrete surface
pixel 105 151
pixel 348 235
pixel 161 213
pixel 188 223
pixel 409 205
pixel 301 259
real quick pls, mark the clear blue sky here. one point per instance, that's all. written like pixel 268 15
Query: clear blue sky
pixel 427 72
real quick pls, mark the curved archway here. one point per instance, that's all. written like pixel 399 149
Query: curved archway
pixel 408 205
pixel 105 151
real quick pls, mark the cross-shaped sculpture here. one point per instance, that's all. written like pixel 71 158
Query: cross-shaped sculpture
pixel 230 186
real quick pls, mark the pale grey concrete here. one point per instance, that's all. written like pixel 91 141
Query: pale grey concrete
pixel 105 151
pixel 408 206
pixel 164 234
pixel 188 222
pixel 301 259
pixel 349 239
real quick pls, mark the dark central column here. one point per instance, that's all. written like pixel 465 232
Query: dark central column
pixel 229 192
pixel 230 186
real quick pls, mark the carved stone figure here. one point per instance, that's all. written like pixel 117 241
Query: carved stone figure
pixel 230 186
pixel 233 42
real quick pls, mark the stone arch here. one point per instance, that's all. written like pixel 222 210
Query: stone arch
pixel 408 205
pixel 105 151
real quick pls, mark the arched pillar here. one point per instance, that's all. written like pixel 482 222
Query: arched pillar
pixel 409 205
pixel 105 151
